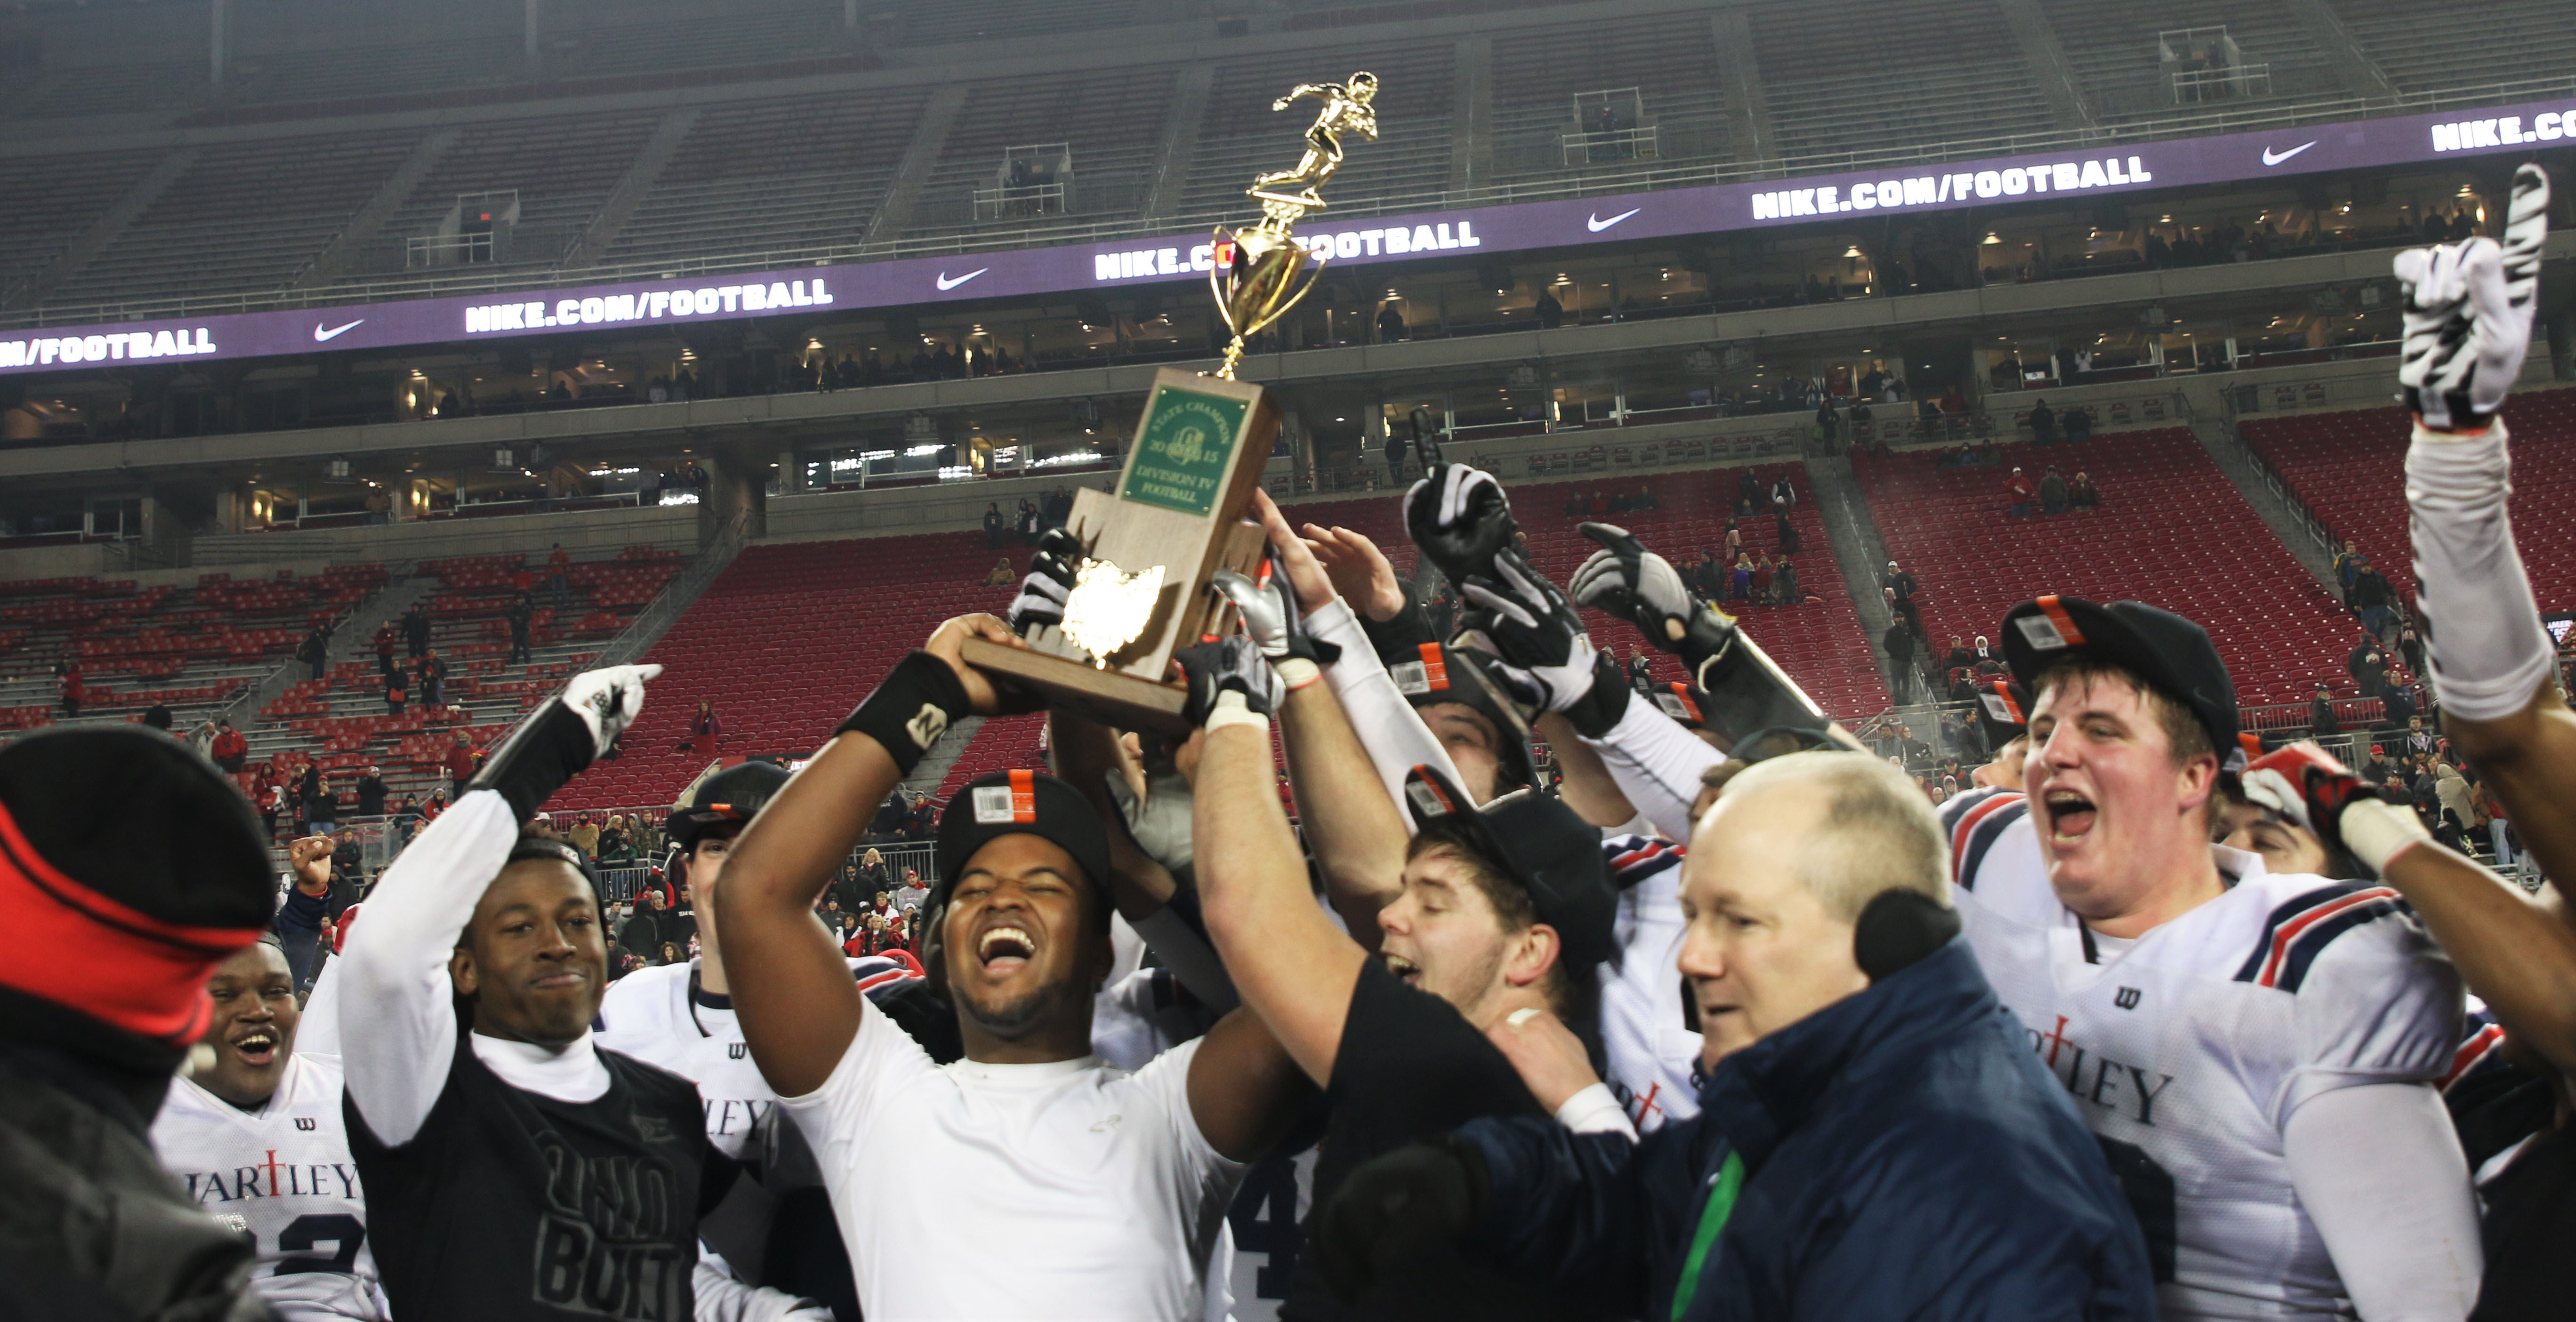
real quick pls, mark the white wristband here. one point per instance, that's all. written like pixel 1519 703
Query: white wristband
pixel 2375 830
pixel 1232 710
pixel 1296 672
pixel 1595 1110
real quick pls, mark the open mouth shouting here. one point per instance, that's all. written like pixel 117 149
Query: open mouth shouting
pixel 1006 949
pixel 1405 970
pixel 256 1046
pixel 2071 817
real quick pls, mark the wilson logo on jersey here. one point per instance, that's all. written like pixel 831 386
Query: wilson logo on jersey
pixel 2128 998
pixel 306 1123
pixel 2300 930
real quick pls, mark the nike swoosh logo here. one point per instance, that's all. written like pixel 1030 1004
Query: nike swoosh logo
pixel 2270 159
pixel 1597 224
pixel 947 284
pixel 320 334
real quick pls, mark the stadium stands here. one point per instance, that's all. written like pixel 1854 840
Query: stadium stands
pixel 1111 120
pixel 2113 51
pixel 1935 78
pixel 2349 469
pixel 773 175
pixel 1240 135
pixel 340 721
pixel 2505 44
pixel 195 649
pixel 51 199
pixel 2172 532
pixel 245 216
pixel 562 169
pixel 1671 62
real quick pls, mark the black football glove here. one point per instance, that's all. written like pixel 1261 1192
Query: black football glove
pixel 1050 581
pixel 1236 663
pixel 1545 657
pixel 1460 518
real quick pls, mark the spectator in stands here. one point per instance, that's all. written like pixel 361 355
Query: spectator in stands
pixel 1899 645
pixel 2043 423
pixel 1900 583
pixel 1905 612
pixel 406 821
pixel 228 748
pixel 2079 425
pixel 415 628
pixel 348 871
pixel 522 614
pixel 2399 704
pixel 2052 491
pixel 1784 494
pixel 460 768
pixel 1734 541
pixel 559 577
pixel 2321 714
pixel 1551 314
pixel 2083 495
pixel 585 837
pixel 1784 581
pixel 642 934
pixel 1786 531
pixel 994 526
pixel 397 693
pixel 2018 493
pixel 999 575
pixel 703 724
pixel 1763 573
pixel 1739 583
pixel 2410 647
pixel 433 681
pixel 1390 324
pixel 2367 664
pixel 371 792
pixel 385 649
pixel 2375 598
pixel 1748 493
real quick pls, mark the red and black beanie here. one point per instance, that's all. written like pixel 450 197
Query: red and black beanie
pixel 128 869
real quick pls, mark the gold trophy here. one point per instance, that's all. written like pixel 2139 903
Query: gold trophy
pixel 1141 592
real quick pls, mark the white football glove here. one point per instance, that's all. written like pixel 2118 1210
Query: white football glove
pixel 608 699
pixel 1049 582
pixel 2468 313
pixel 1627 580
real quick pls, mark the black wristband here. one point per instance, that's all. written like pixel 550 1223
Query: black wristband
pixel 549 750
pixel 1399 639
pixel 911 708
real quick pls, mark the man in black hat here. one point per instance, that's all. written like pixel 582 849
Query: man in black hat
pixel 1502 915
pixel 1088 1191
pixel 680 1017
pixel 2003 720
pixel 128 870
pixel 514 1168
pixel 2233 1036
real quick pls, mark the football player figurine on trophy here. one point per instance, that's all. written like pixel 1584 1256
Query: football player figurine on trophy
pixel 1136 578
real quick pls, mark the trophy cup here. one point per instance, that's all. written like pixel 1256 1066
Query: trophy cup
pixel 1150 546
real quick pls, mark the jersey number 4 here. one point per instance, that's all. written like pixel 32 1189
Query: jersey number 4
pixel 2150 1191
pixel 339 1229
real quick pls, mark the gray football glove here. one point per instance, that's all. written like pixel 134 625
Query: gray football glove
pixel 1546 657
pixel 2468 313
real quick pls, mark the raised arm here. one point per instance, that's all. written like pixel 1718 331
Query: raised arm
pixel 2513 950
pixel 1356 833
pixel 395 992
pixel 791 984
pixel 1292 966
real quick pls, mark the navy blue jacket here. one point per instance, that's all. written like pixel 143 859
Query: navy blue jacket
pixel 1903 1154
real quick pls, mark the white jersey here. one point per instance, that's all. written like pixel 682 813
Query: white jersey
pixel 2188 1050
pixel 1100 1182
pixel 282 1175
pixel 1651 1053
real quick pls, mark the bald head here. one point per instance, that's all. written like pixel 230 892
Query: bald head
pixel 1847 825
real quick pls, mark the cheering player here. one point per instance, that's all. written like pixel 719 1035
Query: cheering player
pixel 260 1143
pixel 2234 1037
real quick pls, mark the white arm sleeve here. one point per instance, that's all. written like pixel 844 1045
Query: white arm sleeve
pixel 395 997
pixel 2379 1171
pixel 1657 763
pixel 319 1030
pixel 722 1298
pixel 2489 651
pixel 1397 741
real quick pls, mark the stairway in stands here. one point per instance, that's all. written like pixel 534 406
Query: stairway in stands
pixel 2349 469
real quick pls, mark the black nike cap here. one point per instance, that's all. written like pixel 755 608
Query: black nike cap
pixel 2170 653
pixel 1544 846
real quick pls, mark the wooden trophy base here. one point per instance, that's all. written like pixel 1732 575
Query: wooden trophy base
pixel 1112 697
